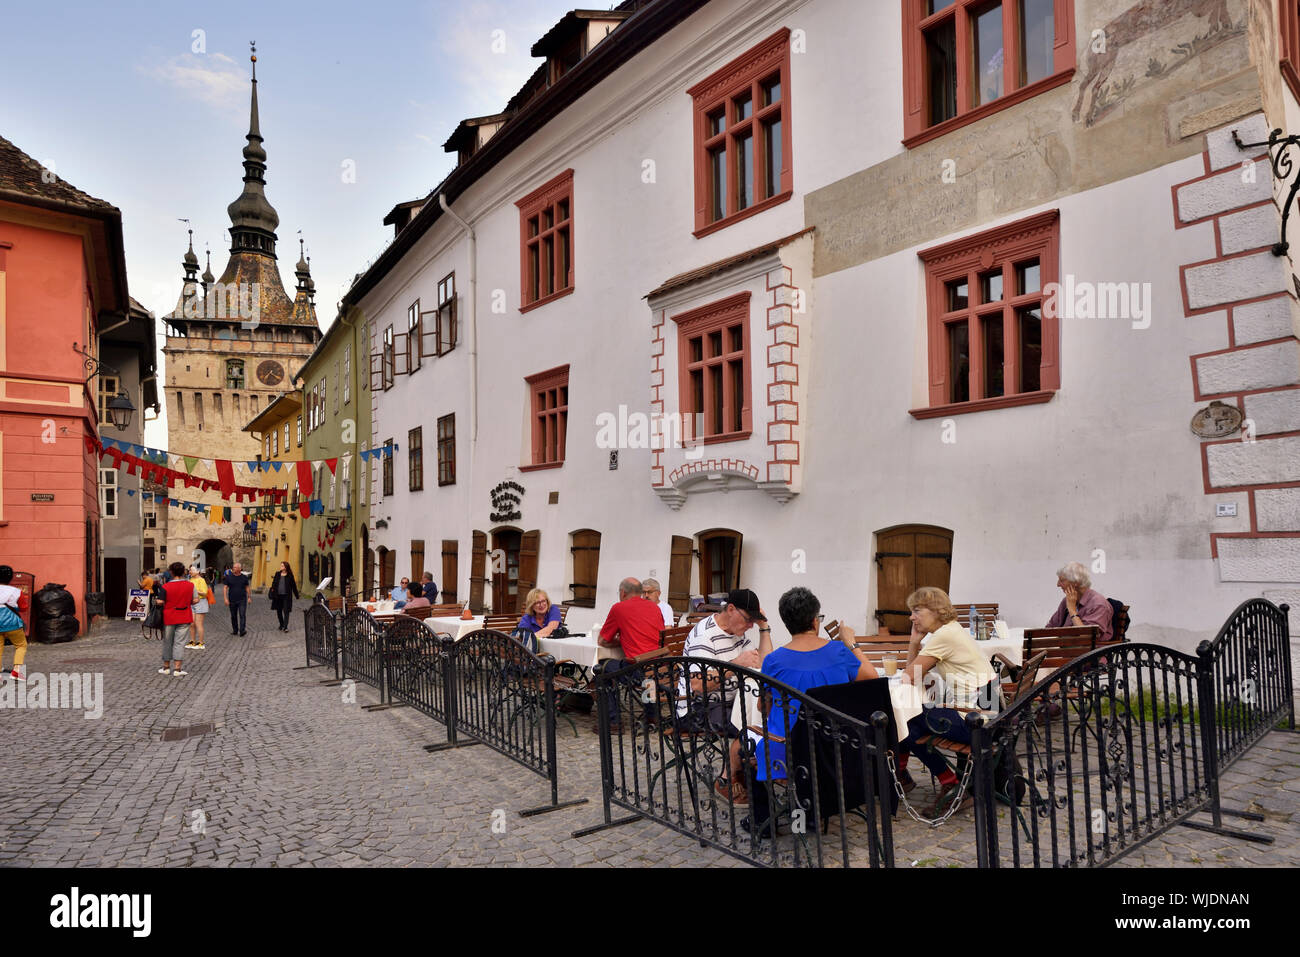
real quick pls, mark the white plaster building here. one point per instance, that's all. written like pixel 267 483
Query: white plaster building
pixel 855 442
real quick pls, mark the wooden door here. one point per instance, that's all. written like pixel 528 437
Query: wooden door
pixel 505 569
pixel 115 587
pixel 387 570
pixel 417 559
pixel 529 546
pixel 477 572
pixel 586 565
pixel 679 574
pixel 148 557
pixel 450 550
pixel 909 557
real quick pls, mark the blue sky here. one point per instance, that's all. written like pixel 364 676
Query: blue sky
pixel 125 101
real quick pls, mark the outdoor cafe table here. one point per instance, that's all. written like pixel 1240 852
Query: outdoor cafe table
pixel 905 698
pixel 580 649
pixel 454 625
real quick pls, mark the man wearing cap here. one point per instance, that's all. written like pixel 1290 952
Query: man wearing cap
pixel 724 636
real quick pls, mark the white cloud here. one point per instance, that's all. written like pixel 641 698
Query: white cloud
pixel 215 80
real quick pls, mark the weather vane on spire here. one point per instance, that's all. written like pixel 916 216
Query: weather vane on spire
pixel 252 45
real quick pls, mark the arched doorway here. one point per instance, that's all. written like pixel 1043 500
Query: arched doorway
pixel 908 557
pixel 217 555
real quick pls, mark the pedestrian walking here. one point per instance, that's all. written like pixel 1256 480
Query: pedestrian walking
pixel 237 598
pixel 178 615
pixel 283 591
pixel 12 604
pixel 200 608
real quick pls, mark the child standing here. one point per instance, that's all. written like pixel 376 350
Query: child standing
pixel 12 603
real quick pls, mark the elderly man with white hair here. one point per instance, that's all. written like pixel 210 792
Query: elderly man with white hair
pixel 1082 604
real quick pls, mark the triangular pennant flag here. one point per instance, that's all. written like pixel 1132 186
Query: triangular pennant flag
pixel 276 465
pixel 130 492
pixel 365 455
pixel 254 466
pixel 190 462
pixel 332 463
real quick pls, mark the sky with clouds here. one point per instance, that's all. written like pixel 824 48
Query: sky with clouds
pixel 145 105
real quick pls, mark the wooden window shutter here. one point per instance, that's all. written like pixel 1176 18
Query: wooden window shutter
pixel 376 370
pixel 417 559
pixel 907 558
pixel 428 345
pixel 679 574
pixel 450 555
pixel 390 569
pixel 586 564
pixel 529 545
pixel 477 572
pixel 401 354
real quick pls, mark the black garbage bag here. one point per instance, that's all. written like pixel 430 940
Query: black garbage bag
pixel 54 614
pixel 57 630
pixel 52 601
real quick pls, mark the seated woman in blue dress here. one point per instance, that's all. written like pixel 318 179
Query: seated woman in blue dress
pixel 808 661
pixel 540 618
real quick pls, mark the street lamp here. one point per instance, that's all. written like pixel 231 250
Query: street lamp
pixel 119 407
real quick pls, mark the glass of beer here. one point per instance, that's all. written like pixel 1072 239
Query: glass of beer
pixel 891 665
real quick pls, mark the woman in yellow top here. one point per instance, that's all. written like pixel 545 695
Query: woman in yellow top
pixel 940 645
pixel 200 608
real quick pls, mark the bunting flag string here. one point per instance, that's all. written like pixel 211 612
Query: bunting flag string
pixel 167 458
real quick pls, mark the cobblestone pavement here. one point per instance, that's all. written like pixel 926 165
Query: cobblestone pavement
pixel 291 775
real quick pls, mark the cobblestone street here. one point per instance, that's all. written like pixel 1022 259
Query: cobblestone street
pixel 291 775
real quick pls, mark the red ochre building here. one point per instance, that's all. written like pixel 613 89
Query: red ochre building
pixel 62 279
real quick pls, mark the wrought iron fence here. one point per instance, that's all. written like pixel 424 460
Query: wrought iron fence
pixel 321 632
pixel 362 643
pixel 504 696
pixel 418 664
pixel 1251 662
pixel 748 765
pixel 1098 758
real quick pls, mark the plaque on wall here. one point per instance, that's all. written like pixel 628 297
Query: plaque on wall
pixel 1217 421
pixel 42 496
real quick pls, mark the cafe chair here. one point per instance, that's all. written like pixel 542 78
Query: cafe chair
pixel 837 765
pixel 961 751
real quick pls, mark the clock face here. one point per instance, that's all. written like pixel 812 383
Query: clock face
pixel 270 372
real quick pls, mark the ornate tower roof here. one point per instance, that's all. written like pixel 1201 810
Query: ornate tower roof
pixel 251 274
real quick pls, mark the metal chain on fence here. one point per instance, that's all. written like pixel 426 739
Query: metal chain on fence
pixel 907 805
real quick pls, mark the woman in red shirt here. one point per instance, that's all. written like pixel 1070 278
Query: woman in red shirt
pixel 177 618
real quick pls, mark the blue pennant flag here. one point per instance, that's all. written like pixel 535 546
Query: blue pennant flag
pixel 130 491
pixel 254 466
pixel 276 465
pixel 365 455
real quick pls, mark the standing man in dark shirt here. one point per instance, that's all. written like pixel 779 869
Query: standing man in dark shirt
pixel 237 597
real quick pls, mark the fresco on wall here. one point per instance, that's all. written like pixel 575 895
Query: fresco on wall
pixel 1148 41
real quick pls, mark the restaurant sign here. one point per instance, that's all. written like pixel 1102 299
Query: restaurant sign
pixel 42 496
pixel 505 502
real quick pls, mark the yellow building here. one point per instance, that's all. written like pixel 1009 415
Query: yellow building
pixel 279 535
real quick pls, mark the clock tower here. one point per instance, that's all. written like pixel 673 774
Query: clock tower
pixel 233 346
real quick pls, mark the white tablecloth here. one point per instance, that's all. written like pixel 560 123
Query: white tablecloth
pixel 906 700
pixel 1011 646
pixel 582 650
pixel 455 626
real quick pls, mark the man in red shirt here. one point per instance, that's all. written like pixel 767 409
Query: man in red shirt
pixel 633 622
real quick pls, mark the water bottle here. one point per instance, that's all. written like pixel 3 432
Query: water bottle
pixel 973 618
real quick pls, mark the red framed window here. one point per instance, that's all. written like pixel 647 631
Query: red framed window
pixel 549 392
pixel 1289 44
pixel 965 59
pixel 546 242
pixel 992 344
pixel 742 136
pixel 713 370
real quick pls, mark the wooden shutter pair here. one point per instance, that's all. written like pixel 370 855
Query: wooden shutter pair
pixel 586 564
pixel 417 559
